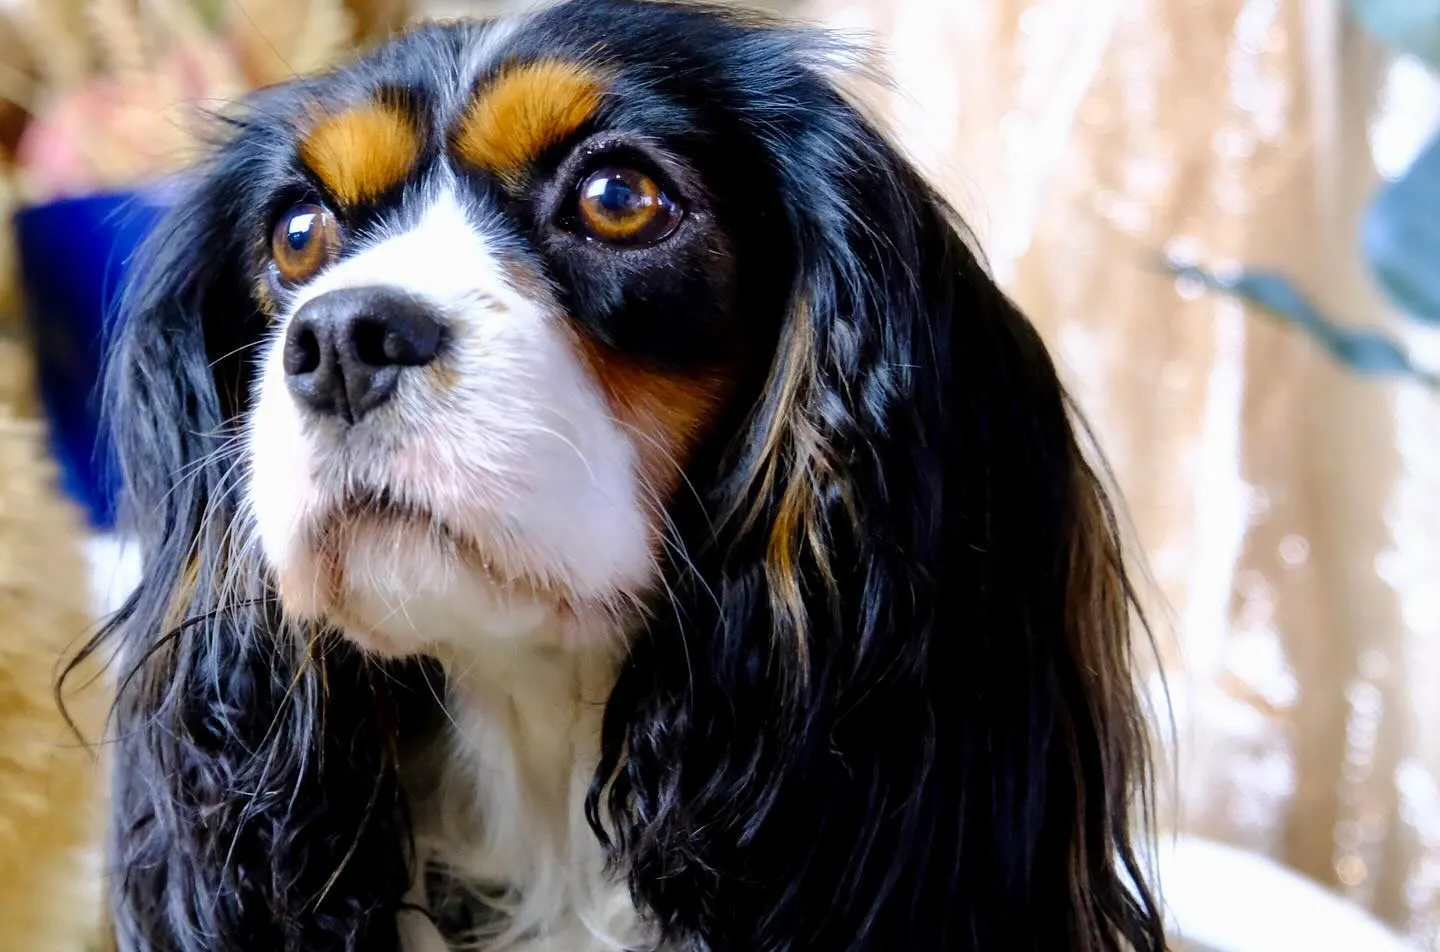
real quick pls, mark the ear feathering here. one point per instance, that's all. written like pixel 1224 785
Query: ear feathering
pixel 891 706
pixel 255 800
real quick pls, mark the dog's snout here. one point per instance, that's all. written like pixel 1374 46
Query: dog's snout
pixel 345 350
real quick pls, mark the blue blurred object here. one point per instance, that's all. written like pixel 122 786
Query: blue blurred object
pixel 1409 26
pixel 1366 352
pixel 1400 235
pixel 73 255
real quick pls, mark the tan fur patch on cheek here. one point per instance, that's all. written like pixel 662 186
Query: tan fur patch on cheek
pixel 664 415
pixel 524 111
pixel 265 297
pixel 361 153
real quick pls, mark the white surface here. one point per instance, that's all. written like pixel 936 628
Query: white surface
pixel 1229 900
pixel 114 572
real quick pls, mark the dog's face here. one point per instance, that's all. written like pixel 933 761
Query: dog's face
pixel 503 281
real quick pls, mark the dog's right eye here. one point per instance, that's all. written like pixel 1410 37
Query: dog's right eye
pixel 305 240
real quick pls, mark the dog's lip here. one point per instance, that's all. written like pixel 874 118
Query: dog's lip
pixel 384 503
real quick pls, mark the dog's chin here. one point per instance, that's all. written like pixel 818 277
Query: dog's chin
pixel 399 581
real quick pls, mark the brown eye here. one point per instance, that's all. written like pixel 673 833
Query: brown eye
pixel 305 239
pixel 623 206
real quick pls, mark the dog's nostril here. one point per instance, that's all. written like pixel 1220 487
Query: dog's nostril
pixel 406 336
pixel 302 351
pixel 368 336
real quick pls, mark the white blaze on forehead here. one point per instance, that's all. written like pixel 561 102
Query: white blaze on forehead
pixel 506 440
pixel 442 258
pixel 489 48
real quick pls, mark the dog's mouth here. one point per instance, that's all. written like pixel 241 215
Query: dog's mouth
pixel 373 547
pixel 385 505
pixel 370 508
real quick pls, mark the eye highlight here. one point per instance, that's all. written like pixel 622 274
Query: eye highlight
pixel 305 239
pixel 624 206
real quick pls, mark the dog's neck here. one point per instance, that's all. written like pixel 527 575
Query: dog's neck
pixel 504 811
pixel 533 712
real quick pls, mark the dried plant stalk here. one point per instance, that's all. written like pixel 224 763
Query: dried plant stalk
pixel 18 88
pixel 119 36
pixel 10 295
pixel 55 30
pixel 180 22
pixel 186 30
pixel 280 39
pixel 52 792
pixel 117 83
pixel 378 18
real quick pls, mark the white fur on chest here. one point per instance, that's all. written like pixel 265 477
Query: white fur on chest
pixel 503 808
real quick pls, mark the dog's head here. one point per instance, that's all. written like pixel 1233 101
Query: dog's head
pixel 618 322
pixel 506 302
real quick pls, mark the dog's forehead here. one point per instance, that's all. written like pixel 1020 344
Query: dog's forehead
pixel 494 91
pixel 480 100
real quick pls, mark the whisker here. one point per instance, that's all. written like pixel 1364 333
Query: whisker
pixel 589 471
pixel 250 345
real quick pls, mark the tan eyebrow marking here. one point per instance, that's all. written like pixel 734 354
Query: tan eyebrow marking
pixel 362 152
pixel 523 111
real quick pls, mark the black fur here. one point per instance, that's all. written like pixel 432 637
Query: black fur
pixel 923 736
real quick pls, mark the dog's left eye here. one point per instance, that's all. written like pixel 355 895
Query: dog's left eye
pixel 305 240
pixel 624 206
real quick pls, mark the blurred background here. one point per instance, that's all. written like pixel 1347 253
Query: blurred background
pixel 1224 215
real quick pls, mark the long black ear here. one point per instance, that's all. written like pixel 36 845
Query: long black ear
pixel 893 707
pixel 255 802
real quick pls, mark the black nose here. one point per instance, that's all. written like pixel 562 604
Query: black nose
pixel 345 350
